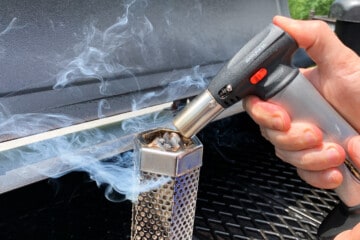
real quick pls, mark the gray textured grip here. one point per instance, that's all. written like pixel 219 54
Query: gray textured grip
pixel 271 50
pixel 303 102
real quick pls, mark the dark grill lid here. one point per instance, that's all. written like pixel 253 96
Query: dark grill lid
pixel 346 10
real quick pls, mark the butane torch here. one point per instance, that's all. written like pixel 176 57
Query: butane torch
pixel 263 68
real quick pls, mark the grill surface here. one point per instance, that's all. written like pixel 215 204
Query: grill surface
pixel 245 192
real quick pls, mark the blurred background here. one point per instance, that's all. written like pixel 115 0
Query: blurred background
pixel 302 9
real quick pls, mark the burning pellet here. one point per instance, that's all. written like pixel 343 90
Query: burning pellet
pixel 175 141
pixel 168 142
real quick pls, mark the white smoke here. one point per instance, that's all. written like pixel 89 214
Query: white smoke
pixel 12 26
pixel 91 151
pixel 175 89
pixel 102 106
pixel 95 54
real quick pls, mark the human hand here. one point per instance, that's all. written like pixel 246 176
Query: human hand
pixel 353 234
pixel 336 77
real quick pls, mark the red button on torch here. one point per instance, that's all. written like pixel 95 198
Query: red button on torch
pixel 258 76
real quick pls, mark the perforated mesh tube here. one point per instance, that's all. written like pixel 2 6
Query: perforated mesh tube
pixel 167 212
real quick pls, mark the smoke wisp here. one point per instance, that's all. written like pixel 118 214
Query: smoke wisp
pixel 13 25
pixel 96 56
pixel 96 151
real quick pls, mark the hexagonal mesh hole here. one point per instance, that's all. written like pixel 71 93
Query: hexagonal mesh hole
pixel 167 212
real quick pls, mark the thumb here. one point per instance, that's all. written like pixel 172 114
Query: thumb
pixel 352 234
pixel 317 39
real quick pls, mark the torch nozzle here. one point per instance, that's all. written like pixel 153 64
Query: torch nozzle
pixel 197 114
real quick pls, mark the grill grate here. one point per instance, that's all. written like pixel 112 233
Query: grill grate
pixel 246 192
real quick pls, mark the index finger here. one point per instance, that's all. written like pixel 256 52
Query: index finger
pixel 267 114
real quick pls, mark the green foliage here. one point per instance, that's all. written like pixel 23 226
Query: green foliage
pixel 300 9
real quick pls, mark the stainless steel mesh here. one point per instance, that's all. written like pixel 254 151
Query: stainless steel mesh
pixel 167 212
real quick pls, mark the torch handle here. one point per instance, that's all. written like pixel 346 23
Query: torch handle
pixel 304 102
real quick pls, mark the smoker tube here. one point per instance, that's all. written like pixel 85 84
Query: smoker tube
pixel 167 212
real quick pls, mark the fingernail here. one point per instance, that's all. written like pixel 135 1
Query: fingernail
pixel 332 154
pixel 310 137
pixel 334 178
pixel 277 123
